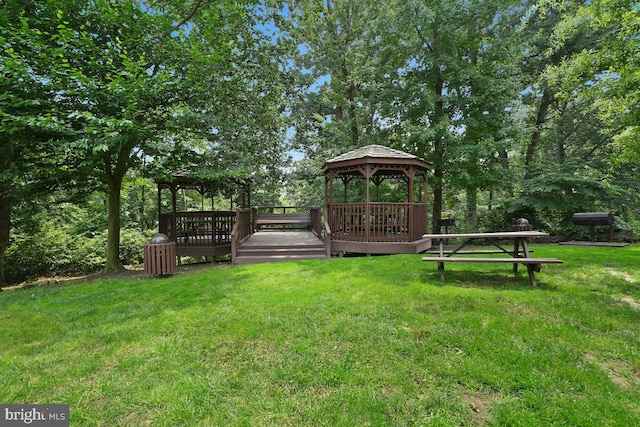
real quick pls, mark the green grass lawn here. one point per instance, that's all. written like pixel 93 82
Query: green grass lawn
pixel 376 341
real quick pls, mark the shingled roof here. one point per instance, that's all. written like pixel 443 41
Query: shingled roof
pixel 376 153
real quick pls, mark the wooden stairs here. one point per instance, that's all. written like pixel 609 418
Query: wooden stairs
pixel 275 246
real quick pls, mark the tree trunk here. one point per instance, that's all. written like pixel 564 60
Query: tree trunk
pixel 113 264
pixel 437 199
pixel 438 148
pixel 541 117
pixel 143 221
pixel 351 96
pixel 114 175
pixel 472 207
pixel 5 229
pixel 504 163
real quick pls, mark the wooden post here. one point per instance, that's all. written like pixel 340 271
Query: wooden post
pixel 174 202
pixel 411 176
pixel 367 206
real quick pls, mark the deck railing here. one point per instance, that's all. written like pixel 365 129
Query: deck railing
pixel 197 229
pixel 326 237
pixel 241 231
pixel 377 222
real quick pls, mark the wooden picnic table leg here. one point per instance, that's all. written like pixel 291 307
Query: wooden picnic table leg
pixel 516 252
pixel 531 268
pixel 532 275
pixel 441 264
pixel 527 254
pixel 441 270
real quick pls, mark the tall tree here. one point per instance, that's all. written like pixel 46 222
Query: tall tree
pixel 567 151
pixel 337 64
pixel 608 69
pixel 540 89
pixel 31 128
pixel 454 72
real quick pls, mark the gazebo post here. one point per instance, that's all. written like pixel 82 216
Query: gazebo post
pixel 411 208
pixel 174 202
pixel 368 205
pixel 411 175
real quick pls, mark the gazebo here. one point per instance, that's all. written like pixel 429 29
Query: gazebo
pixel 368 224
pixel 201 232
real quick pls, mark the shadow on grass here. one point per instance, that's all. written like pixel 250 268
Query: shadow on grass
pixel 405 270
pixel 489 279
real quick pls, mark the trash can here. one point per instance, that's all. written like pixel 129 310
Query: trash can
pixel 522 224
pixel 160 255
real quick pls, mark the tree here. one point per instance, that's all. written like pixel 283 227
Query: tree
pixel 608 69
pixel 569 149
pixel 31 126
pixel 138 81
pixel 541 92
pixel 454 71
pixel 337 66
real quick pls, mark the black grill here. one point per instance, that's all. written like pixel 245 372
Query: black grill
pixel 595 218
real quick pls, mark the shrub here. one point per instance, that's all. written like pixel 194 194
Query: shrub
pixel 54 251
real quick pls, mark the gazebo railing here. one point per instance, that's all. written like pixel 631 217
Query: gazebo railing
pixel 377 222
pixel 197 229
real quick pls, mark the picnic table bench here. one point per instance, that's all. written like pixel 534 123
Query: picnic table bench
pixel 302 220
pixel 517 256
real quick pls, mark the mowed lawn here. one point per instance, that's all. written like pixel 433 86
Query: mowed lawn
pixel 378 341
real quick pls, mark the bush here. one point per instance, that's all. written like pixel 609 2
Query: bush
pixel 132 243
pixel 53 251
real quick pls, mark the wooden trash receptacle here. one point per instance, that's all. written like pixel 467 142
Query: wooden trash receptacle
pixel 160 258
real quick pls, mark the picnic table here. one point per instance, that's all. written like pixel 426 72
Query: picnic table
pixel 516 256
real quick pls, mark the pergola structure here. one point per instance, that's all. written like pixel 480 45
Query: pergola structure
pixel 370 226
pixel 201 233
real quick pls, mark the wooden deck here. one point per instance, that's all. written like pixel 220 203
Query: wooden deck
pixel 373 228
pixel 273 246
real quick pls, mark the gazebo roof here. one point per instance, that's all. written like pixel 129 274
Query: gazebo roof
pixel 375 154
pixel 197 177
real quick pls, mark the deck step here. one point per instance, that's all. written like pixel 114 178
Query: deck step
pixel 274 246
pixel 258 259
pixel 281 251
pixel 288 247
pixel 260 255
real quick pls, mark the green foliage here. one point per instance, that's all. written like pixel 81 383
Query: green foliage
pixel 54 250
pixel 59 238
pixel 549 200
pixel 604 73
pixel 107 87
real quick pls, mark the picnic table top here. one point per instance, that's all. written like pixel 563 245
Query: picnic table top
pixel 495 235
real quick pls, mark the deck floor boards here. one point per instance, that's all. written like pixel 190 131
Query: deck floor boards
pixel 274 246
pixel 282 238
